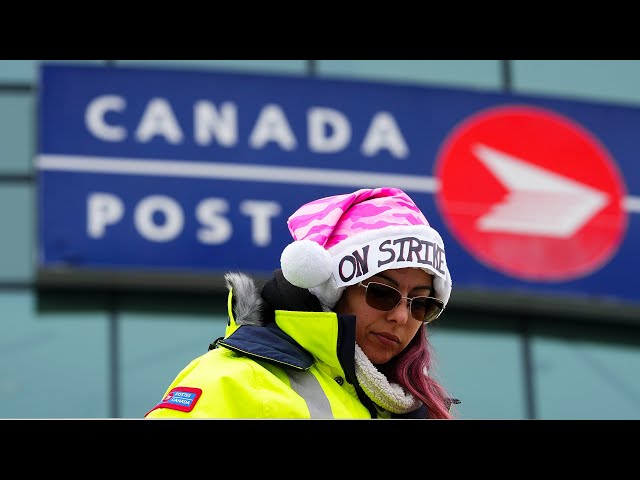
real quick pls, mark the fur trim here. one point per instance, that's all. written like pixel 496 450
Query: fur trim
pixel 247 303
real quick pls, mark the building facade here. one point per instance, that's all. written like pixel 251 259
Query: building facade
pixel 108 349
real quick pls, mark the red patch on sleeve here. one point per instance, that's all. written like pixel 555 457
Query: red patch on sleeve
pixel 179 398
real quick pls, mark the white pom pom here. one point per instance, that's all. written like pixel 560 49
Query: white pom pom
pixel 305 264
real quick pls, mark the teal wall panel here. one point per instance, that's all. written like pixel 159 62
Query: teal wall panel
pixel 483 74
pixel 17 237
pixel 17 135
pixel 54 363
pixel 596 80
pixel 256 66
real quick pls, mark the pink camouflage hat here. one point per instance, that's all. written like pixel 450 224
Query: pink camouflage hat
pixel 344 239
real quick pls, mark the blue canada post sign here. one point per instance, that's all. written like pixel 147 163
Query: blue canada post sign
pixel 179 174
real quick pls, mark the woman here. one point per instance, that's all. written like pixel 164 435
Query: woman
pixel 340 331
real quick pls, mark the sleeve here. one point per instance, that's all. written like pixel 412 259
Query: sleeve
pixel 218 384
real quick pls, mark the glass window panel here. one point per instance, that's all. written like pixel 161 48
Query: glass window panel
pixel 606 80
pixel 159 337
pixel 54 357
pixel 255 66
pixel 482 368
pixel 453 73
pixel 579 377
pixel 16 133
pixel 17 227
pixel 26 71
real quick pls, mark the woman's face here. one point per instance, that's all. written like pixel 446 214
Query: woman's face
pixel 383 335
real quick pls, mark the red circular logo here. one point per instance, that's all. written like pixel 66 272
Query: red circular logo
pixel 531 194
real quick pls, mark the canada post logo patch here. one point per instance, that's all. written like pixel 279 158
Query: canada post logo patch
pixel 181 398
pixel 532 194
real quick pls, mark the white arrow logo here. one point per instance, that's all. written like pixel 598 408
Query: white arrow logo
pixel 539 202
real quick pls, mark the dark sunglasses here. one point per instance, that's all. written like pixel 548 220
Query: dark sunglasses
pixel 384 297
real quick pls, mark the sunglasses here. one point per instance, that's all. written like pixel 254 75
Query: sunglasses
pixel 384 297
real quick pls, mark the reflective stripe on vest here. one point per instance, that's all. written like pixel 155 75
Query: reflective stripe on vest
pixel 305 384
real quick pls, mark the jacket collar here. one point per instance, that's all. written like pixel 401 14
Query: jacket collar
pixel 297 328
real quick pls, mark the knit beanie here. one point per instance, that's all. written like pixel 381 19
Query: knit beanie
pixel 343 239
